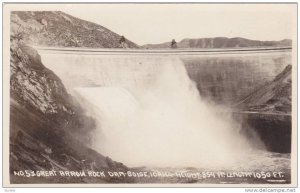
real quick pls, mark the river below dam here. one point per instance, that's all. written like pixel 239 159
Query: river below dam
pixel 168 116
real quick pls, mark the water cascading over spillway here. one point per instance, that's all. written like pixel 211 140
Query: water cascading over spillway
pixel 149 112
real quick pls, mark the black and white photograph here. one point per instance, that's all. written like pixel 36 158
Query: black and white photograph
pixel 150 94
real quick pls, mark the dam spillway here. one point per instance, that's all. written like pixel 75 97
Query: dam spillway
pixel 156 98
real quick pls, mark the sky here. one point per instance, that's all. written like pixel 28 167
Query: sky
pixel 158 23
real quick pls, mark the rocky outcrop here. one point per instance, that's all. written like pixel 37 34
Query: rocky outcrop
pixel 58 29
pixel 48 128
pixel 221 42
pixel 273 97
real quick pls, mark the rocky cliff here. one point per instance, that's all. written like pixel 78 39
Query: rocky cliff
pixel 48 128
pixel 58 29
pixel 273 97
pixel 221 42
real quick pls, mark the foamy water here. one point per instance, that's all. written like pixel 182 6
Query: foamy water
pixel 150 113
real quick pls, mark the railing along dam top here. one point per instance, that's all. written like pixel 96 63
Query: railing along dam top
pixel 116 51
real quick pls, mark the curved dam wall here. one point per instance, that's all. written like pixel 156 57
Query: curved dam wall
pixel 222 77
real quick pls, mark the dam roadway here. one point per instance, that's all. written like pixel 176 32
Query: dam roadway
pixel 212 51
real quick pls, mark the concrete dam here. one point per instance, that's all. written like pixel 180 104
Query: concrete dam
pixel 163 107
pixel 222 76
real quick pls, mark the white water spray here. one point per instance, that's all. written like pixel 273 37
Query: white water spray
pixel 157 118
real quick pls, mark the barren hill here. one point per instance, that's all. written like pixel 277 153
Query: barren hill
pixel 55 28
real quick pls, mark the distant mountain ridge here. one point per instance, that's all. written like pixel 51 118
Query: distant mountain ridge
pixel 58 29
pixel 221 42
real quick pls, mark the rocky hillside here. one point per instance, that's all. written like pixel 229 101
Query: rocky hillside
pixel 55 28
pixel 273 97
pixel 220 42
pixel 48 128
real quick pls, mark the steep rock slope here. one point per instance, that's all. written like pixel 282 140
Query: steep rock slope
pixel 273 97
pixel 57 29
pixel 48 129
pixel 221 42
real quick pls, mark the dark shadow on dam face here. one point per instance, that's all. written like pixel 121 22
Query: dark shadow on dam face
pixel 225 79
